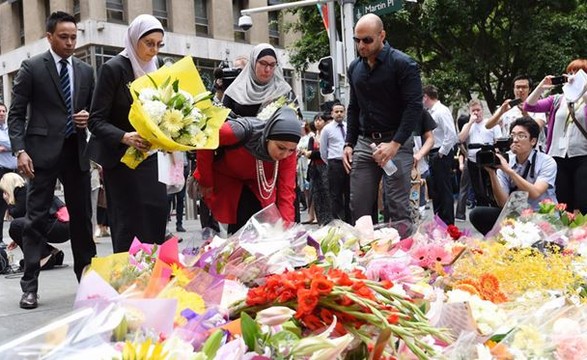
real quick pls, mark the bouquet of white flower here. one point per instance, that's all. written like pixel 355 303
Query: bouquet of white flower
pixel 176 115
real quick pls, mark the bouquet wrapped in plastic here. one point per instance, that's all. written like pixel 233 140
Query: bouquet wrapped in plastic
pixel 172 110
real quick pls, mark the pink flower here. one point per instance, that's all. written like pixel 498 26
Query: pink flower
pixel 560 207
pixel 421 256
pixel 571 348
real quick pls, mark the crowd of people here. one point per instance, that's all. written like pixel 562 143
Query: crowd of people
pixel 348 162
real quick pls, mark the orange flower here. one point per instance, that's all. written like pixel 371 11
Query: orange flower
pixel 387 284
pixel 321 285
pixel 468 288
pixel 312 321
pixel 307 301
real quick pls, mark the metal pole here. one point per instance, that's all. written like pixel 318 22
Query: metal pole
pixel 289 5
pixel 349 43
pixel 332 42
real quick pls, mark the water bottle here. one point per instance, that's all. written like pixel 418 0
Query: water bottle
pixel 389 167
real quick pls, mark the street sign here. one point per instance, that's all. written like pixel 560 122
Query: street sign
pixel 379 7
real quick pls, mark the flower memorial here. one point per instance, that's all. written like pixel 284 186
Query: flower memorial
pixel 283 291
pixel 172 110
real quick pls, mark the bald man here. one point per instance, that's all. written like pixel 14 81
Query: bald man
pixel 385 106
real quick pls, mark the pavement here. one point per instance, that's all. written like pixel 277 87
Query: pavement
pixel 57 287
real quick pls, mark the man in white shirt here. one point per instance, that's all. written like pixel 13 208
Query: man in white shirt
pixel 475 134
pixel 507 114
pixel 441 155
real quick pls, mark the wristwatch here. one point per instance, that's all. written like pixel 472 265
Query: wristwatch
pixel 19 152
pixel 349 145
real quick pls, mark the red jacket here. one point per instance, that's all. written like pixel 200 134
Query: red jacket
pixel 236 168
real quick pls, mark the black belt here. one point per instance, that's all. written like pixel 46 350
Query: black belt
pixel 377 135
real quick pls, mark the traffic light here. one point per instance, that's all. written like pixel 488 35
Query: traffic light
pixel 326 75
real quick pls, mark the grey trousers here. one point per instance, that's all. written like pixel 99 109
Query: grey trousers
pixel 366 175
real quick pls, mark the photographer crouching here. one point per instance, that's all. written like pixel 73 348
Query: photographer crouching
pixel 528 170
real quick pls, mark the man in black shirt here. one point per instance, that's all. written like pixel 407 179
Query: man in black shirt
pixel 385 105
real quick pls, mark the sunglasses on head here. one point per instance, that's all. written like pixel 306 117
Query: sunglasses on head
pixel 366 40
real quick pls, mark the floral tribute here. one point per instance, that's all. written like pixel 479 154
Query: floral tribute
pixel 353 303
pixel 173 111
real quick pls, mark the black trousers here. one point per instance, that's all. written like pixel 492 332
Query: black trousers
pixel 248 205
pixel 481 184
pixel 570 182
pixel 340 190
pixel 483 218
pixel 57 232
pixel 440 182
pixel 137 204
pixel 76 184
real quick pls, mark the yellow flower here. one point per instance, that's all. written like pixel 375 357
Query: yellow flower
pixel 172 122
pixel 180 275
pixel 143 351
pixel 185 300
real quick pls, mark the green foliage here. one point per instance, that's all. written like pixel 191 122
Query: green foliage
pixel 467 47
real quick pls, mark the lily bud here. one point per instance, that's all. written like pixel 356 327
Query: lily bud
pixel 274 316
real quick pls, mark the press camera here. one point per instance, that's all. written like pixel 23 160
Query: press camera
pixel 486 156
pixel 225 75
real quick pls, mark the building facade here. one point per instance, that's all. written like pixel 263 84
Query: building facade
pixel 207 30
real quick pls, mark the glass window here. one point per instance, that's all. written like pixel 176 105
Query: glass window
pixel 201 10
pixel 311 92
pixel 20 20
pixel 237 6
pixel 2 89
pixel 105 53
pixel 76 10
pixel 160 12
pixel 115 11
pixel 274 36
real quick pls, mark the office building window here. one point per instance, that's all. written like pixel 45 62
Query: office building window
pixel 206 69
pixel 76 10
pixel 47 6
pixel 237 6
pixel 160 12
pixel 201 10
pixel 19 6
pixel 311 91
pixel 274 36
pixel 103 54
pixel 115 11
pixel 2 89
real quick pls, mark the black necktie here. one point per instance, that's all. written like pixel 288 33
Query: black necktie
pixel 341 126
pixel 65 87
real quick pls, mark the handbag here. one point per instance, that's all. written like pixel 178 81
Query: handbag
pixel 575 121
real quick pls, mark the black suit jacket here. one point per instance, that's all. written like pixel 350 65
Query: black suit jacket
pixel 109 116
pixel 38 112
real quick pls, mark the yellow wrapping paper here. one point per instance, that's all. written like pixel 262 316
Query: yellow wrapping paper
pixel 190 81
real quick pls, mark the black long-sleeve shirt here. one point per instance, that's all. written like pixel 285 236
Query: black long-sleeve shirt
pixel 386 98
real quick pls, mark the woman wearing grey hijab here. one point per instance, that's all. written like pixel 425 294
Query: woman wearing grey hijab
pixel 260 82
pixel 254 166
pixel 137 201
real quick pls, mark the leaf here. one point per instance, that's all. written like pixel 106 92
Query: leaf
pixel 250 331
pixel 165 83
pixel 152 81
pixel 175 85
pixel 213 343
pixel 282 338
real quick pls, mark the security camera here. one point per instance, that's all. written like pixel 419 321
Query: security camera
pixel 245 22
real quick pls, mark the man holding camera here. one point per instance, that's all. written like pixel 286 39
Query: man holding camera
pixel 475 135
pixel 528 170
pixel 512 109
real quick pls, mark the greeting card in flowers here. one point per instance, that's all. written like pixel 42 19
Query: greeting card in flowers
pixel 172 110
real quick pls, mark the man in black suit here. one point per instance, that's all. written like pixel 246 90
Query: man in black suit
pixel 50 143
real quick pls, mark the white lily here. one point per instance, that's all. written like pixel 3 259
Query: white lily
pixel 275 315
pixel 321 345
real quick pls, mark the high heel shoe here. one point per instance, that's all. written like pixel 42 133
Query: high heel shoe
pixel 55 259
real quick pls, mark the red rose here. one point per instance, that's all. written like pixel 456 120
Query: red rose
pixel 454 232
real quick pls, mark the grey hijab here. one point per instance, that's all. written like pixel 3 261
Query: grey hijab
pixel 255 133
pixel 246 89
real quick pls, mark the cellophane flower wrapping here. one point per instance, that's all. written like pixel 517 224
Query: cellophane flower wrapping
pixel 173 111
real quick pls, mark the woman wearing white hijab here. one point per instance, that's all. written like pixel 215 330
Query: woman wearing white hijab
pixel 137 201
pixel 260 82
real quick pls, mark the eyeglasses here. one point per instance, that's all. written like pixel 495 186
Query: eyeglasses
pixel 152 45
pixel 366 40
pixel 266 65
pixel 519 136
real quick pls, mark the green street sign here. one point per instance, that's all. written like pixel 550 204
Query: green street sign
pixel 379 7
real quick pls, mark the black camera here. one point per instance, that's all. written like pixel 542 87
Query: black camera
pixel 224 76
pixel 486 156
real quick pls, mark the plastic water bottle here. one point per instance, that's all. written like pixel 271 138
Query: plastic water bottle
pixel 389 167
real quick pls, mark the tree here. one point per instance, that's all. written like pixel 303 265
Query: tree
pixel 472 46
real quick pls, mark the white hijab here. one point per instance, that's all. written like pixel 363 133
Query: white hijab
pixel 137 28
pixel 246 88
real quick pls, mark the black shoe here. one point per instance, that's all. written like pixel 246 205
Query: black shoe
pixel 180 228
pixel 58 255
pixel 29 300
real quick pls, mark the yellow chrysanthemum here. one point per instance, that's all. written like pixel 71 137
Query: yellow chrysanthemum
pixel 180 275
pixel 146 350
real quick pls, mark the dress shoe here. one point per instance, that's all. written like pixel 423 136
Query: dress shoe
pixel 58 255
pixel 29 300
pixel 180 228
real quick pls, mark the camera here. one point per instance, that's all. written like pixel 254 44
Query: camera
pixel 557 80
pixel 486 156
pixel 515 102
pixel 245 22
pixel 224 76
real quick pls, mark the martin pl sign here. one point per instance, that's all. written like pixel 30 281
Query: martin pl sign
pixel 380 7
